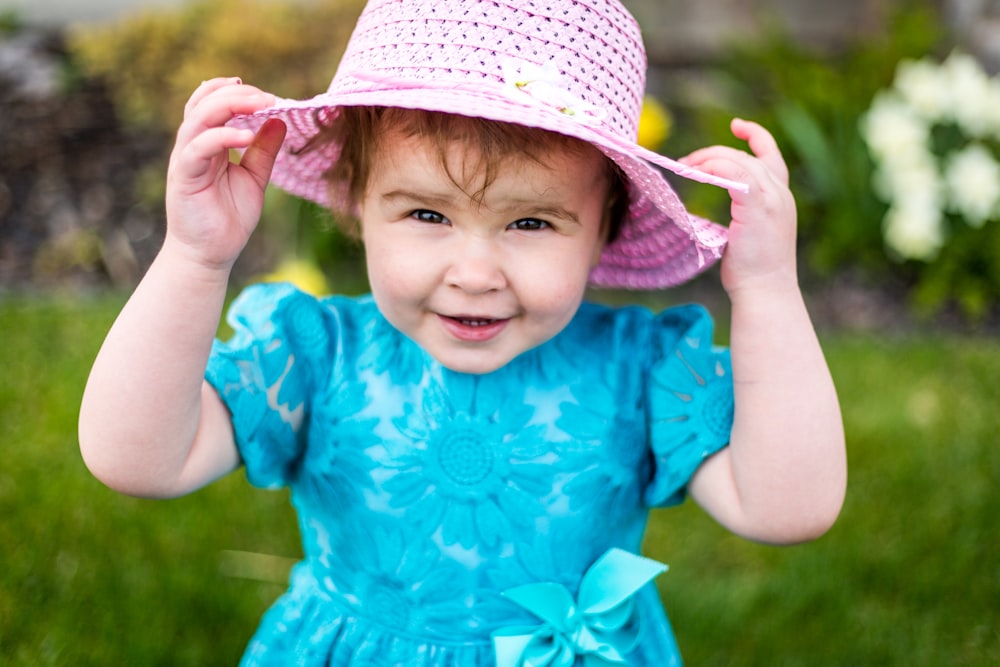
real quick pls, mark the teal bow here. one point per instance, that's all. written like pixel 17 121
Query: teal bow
pixel 597 627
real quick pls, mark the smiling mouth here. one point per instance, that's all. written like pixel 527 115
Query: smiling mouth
pixel 473 329
pixel 473 322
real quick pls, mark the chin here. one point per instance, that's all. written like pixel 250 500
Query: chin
pixel 473 363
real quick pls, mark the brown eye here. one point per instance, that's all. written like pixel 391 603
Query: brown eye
pixel 529 225
pixel 424 215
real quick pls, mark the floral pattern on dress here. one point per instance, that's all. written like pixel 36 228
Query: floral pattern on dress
pixel 335 470
pixel 477 476
pixel 424 494
pixel 399 582
pixel 266 384
pixel 691 411
pixel 403 361
pixel 598 420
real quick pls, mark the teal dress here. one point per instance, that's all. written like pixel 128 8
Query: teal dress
pixel 432 504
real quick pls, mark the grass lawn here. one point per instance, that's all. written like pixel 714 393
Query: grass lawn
pixel 909 576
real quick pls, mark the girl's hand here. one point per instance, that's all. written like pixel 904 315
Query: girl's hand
pixel 761 251
pixel 213 205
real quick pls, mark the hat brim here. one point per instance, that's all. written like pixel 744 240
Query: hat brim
pixel 660 244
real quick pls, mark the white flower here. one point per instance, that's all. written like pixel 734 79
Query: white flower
pixel 522 73
pixel 919 184
pixel 970 93
pixel 914 230
pixel 993 109
pixel 916 176
pixel 892 128
pixel 924 86
pixel 972 177
pixel 543 84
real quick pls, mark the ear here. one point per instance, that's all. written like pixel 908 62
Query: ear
pixel 607 227
pixel 596 258
pixel 602 235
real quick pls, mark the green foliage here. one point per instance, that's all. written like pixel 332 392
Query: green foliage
pixel 812 102
pixel 10 22
pixel 153 61
pixel 943 184
pixel 967 273
pixel 907 576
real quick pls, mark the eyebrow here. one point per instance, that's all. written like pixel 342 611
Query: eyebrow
pixel 525 207
pixel 431 198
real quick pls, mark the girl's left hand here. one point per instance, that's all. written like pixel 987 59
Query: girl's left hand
pixel 761 251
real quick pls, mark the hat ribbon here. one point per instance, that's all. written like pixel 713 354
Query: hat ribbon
pixel 539 83
pixel 523 82
pixel 600 626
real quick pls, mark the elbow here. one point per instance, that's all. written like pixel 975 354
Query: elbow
pixel 95 459
pixel 115 474
pixel 108 473
pixel 807 530
pixel 807 524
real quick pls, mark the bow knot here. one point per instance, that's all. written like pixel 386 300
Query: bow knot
pixel 598 626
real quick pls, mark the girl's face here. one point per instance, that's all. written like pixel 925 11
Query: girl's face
pixel 476 284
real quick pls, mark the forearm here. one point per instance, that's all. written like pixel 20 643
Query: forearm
pixel 786 463
pixel 142 409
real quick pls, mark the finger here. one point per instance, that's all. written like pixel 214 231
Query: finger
pixel 763 145
pixel 220 106
pixel 210 146
pixel 733 166
pixel 710 153
pixel 259 158
pixel 729 163
pixel 208 87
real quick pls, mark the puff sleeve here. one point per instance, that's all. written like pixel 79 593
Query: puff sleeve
pixel 266 374
pixel 689 392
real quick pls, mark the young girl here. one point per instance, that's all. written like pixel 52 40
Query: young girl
pixel 472 449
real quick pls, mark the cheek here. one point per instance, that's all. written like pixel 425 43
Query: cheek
pixel 386 268
pixel 556 291
pixel 389 272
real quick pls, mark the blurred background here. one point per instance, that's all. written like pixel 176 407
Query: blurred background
pixel 889 115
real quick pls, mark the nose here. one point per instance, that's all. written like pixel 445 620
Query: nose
pixel 475 266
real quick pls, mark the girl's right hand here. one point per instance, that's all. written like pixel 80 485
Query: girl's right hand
pixel 213 204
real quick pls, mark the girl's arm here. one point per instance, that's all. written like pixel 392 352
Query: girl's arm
pixel 784 475
pixel 149 424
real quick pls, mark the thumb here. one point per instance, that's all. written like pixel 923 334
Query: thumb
pixel 258 159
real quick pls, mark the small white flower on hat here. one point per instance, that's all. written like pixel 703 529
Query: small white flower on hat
pixel 544 84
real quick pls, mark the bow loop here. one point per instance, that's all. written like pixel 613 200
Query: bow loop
pixel 548 601
pixel 597 626
pixel 615 578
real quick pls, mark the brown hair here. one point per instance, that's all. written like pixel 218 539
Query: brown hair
pixel 357 131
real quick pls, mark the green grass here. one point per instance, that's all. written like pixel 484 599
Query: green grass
pixel 909 576
pixel 90 577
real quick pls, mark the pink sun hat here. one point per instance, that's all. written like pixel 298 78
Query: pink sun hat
pixel 576 67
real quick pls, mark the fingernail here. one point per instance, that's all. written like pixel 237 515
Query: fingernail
pixel 238 81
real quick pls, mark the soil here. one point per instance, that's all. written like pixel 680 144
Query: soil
pixel 68 209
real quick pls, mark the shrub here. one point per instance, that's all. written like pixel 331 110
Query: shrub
pixel 935 135
pixel 153 61
pixel 814 103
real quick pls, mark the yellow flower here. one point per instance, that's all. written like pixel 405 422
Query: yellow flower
pixel 654 123
pixel 303 274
